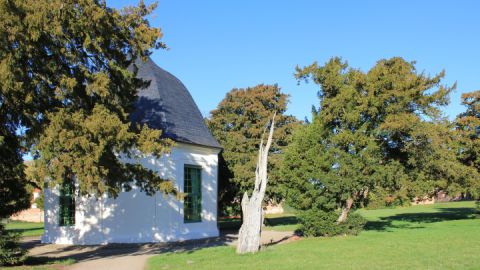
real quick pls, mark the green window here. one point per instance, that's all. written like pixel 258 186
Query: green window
pixel 67 203
pixel 192 188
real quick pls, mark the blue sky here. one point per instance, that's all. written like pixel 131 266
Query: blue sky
pixel 219 45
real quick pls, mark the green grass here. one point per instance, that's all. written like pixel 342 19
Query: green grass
pixel 281 222
pixel 26 228
pixel 41 263
pixel 273 222
pixel 441 236
pixel 285 222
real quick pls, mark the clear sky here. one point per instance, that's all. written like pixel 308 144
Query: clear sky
pixel 219 45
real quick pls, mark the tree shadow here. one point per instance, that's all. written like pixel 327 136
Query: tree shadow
pixel 416 219
pixel 26 230
pixel 285 220
pixel 386 225
pixel 229 223
pixel 74 253
pixel 236 223
pixel 42 261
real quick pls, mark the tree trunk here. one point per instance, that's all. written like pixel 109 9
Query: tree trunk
pixel 344 215
pixel 250 232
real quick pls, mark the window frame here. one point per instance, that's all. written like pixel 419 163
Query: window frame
pixel 196 196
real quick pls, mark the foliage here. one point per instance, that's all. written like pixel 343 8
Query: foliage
pixel 441 236
pixel 10 251
pixel 468 139
pixel 381 128
pixel 34 181
pixel 320 223
pixel 433 162
pixel 354 224
pixel 238 124
pixel 67 91
pixel 40 201
pixel 13 194
pixel 381 197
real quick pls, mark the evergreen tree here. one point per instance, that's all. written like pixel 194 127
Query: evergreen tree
pixel 67 92
pixel 67 88
pixel 379 128
pixel 468 127
pixel 238 124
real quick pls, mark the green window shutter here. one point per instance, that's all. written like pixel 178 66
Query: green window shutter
pixel 193 194
pixel 67 203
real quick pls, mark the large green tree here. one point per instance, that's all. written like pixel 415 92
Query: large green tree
pixel 238 124
pixel 378 128
pixel 468 139
pixel 67 88
pixel 66 91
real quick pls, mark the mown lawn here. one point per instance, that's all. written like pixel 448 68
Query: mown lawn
pixel 441 236
pixel 26 228
pixel 41 263
pixel 281 222
pixel 273 222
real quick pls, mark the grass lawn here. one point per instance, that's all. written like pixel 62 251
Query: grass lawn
pixel 281 222
pixel 26 228
pixel 441 236
pixel 273 222
pixel 41 263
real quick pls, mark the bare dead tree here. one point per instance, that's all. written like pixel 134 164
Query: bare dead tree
pixel 250 232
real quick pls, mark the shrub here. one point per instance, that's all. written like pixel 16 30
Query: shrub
pixel 10 251
pixel 321 223
pixel 40 201
pixel 354 224
pixel 382 198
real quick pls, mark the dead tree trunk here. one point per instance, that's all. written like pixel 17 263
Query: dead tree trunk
pixel 250 232
pixel 344 215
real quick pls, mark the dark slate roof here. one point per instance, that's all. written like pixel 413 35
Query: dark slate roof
pixel 166 104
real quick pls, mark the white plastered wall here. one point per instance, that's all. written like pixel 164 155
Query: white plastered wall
pixel 134 217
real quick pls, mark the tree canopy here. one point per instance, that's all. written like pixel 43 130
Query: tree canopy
pixel 468 124
pixel 378 128
pixel 67 88
pixel 468 127
pixel 238 124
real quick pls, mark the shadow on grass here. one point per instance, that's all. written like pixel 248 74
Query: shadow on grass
pixel 39 261
pixel 278 221
pixel 236 223
pixel 25 230
pixel 229 224
pixel 416 219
